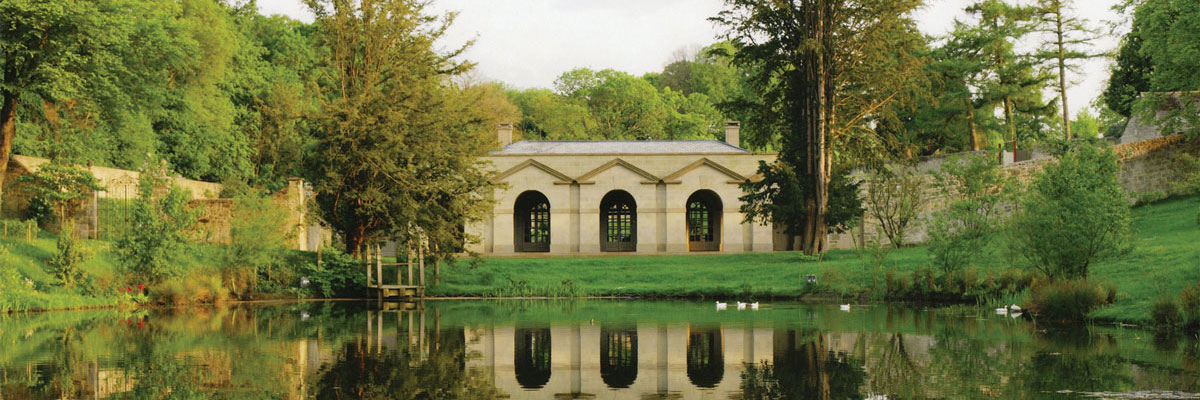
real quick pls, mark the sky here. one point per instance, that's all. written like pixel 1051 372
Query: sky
pixel 529 43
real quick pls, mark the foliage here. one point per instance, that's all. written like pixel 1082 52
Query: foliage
pixel 894 197
pixel 973 188
pixel 65 264
pixel 61 188
pixel 194 288
pixel 1064 47
pixel 337 275
pixel 1164 314
pixel 778 200
pixel 259 235
pixel 1073 215
pixel 1189 305
pixel 1165 67
pixel 160 222
pixel 1065 300
pixel 396 151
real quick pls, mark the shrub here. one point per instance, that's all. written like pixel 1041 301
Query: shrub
pixel 973 188
pixel 195 288
pixel 1065 300
pixel 259 235
pixel 1189 304
pixel 158 233
pixel 58 191
pixel 1075 214
pixel 65 264
pixel 1164 314
pixel 338 275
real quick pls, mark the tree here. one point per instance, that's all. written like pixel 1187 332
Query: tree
pixel 894 197
pixel 45 48
pixel 396 142
pixel 973 188
pixel 161 220
pixel 1157 59
pixel 778 200
pixel 1130 75
pixel 1074 214
pixel 1068 34
pixel 824 68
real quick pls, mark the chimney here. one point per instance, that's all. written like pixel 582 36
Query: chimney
pixel 733 133
pixel 504 133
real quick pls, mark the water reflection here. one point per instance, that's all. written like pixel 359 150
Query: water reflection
pixel 531 358
pixel 618 357
pixel 636 350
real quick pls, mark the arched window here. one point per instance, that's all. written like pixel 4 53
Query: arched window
pixel 705 357
pixel 618 357
pixel 704 221
pixel 531 223
pixel 618 222
pixel 531 357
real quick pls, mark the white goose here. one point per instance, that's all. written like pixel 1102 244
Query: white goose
pixel 844 307
pixel 721 306
pixel 741 305
pixel 754 306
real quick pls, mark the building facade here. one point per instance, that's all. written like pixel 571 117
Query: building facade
pixel 641 197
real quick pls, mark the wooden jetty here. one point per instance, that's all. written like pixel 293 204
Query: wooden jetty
pixel 414 288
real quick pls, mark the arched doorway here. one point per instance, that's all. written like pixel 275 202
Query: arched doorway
pixel 618 357
pixel 531 357
pixel 705 357
pixel 704 221
pixel 531 223
pixel 618 222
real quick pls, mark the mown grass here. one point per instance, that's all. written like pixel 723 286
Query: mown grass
pixel 1166 259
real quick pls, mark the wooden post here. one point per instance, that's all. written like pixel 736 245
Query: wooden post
pixel 378 266
pixel 421 262
pixel 368 278
pixel 409 260
pixel 370 330
pixel 437 269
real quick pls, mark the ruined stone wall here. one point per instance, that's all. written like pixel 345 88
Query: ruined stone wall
pixel 1148 169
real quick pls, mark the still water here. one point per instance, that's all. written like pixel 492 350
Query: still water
pixel 589 349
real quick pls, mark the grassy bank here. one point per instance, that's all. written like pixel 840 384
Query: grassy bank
pixel 1165 260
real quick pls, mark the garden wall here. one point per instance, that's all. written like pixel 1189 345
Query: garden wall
pixel 1148 168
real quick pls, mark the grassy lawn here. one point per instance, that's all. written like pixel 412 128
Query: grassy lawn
pixel 1165 260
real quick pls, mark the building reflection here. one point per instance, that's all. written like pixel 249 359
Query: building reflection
pixel 618 357
pixel 705 358
pixel 531 358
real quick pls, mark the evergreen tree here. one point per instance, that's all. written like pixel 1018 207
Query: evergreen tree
pixel 397 148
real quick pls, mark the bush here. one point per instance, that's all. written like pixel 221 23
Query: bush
pixel 1189 304
pixel 1074 215
pixel 1164 314
pixel 151 249
pixel 195 288
pixel 973 188
pixel 65 264
pixel 1066 300
pixel 259 236
pixel 338 275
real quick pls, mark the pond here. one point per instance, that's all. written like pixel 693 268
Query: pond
pixel 605 349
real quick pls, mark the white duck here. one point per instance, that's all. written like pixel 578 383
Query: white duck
pixel 844 307
pixel 741 305
pixel 1002 311
pixel 721 306
pixel 1014 308
pixel 754 306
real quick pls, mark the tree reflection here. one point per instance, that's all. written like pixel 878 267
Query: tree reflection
pixel 804 368
pixel 404 374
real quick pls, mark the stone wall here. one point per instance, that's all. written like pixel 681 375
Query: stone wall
pixel 1147 167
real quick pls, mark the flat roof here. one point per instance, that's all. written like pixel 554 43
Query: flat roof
pixel 620 147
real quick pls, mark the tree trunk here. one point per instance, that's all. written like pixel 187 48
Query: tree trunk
pixel 971 125
pixel 1062 72
pixel 8 130
pixel 354 240
pixel 817 125
pixel 1008 119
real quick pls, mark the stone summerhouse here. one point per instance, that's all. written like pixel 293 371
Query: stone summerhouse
pixel 643 197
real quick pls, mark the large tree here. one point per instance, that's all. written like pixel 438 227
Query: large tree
pixel 397 147
pixel 825 68
pixel 46 47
